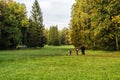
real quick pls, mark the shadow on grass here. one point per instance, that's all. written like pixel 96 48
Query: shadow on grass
pixel 37 56
pixel 31 56
pixel 104 56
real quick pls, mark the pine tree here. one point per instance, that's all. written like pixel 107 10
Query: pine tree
pixel 37 25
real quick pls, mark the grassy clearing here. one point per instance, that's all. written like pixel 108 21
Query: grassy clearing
pixel 51 63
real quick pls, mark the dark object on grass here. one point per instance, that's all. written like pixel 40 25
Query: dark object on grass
pixel 83 50
pixel 70 52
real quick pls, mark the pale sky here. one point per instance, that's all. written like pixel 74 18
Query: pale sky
pixel 55 12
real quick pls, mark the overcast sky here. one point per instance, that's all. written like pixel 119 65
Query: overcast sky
pixel 55 12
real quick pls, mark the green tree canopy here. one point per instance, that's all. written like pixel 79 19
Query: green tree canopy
pixel 12 15
pixel 95 24
pixel 53 36
pixel 64 36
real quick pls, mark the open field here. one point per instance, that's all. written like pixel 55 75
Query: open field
pixel 52 63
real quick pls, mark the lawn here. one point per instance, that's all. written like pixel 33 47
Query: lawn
pixel 53 63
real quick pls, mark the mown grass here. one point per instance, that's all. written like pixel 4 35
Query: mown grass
pixel 52 63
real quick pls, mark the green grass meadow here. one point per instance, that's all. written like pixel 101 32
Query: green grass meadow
pixel 54 63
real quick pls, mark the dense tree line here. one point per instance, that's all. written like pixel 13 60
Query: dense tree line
pixel 64 36
pixel 16 29
pixel 12 19
pixel 96 24
pixel 53 38
pixel 57 37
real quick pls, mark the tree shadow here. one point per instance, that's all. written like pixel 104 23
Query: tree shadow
pixel 103 56
pixel 31 56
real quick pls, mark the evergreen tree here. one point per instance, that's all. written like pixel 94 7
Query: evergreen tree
pixel 36 36
pixel 46 33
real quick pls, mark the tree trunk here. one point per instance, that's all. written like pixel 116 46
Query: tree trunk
pixel 116 38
